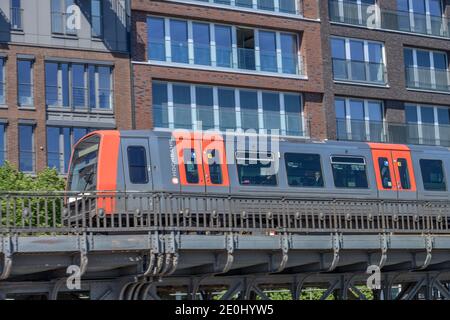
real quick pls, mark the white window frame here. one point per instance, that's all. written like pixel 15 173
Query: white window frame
pixel 420 124
pixel 237 108
pixel 427 15
pixel 234 48
pixel 367 120
pixel 366 56
pixel 432 66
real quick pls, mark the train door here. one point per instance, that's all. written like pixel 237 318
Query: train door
pixel 137 170
pixel 190 161
pixel 215 163
pixel 393 171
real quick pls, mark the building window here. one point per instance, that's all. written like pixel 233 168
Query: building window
pixel 421 16
pixel 426 70
pixel 2 80
pixel 25 82
pixel 188 42
pixel 277 6
pixel 60 16
pixel 360 120
pixel 16 15
pixel 2 143
pixel 355 12
pixel 427 124
pixel 60 141
pixel 96 18
pixel 196 107
pixel 78 86
pixel 26 148
pixel 358 61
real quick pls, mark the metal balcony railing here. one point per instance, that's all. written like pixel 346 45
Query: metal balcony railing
pixel 286 6
pixel 78 97
pixel 17 18
pixel 68 213
pixel 293 124
pixel 427 79
pixel 366 15
pixel 226 57
pixel 390 132
pixel 359 71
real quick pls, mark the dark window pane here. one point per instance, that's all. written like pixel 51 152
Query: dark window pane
pixel 104 87
pixel 191 166
pixel 2 144
pixel 160 111
pixel 156 39
pixel 137 164
pixel 385 173
pixel 202 51
pixel 26 150
pixel 303 170
pixel 256 169
pixel 25 82
pixel 214 164
pixel 182 106
pixel 179 41
pixel 433 175
pixel 349 172
pixel 205 107
pixel 227 112
pixel 51 84
pixel 53 153
pixel 78 86
pixel 403 171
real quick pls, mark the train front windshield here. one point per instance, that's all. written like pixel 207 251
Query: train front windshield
pixel 83 169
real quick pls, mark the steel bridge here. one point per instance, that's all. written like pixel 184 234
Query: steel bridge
pixel 200 244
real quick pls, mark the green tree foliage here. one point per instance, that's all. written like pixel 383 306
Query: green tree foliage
pixel 30 209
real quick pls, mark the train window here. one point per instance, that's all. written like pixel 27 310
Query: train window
pixel 403 171
pixel 137 164
pixel 215 170
pixel 385 173
pixel 303 170
pixel 349 172
pixel 255 168
pixel 433 175
pixel 191 166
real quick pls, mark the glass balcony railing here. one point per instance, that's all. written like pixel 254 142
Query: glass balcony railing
pixel 16 18
pixel 225 57
pixel 80 97
pixel 359 71
pixel 427 79
pixel 285 6
pixel 391 132
pixel 249 119
pixel 365 15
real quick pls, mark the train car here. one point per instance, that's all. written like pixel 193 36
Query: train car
pixel 232 164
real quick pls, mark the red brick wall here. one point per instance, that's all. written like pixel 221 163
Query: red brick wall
pixel 310 49
pixel 122 94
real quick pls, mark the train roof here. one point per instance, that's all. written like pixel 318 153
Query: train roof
pixel 290 139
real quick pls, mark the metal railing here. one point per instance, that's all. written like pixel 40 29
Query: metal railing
pixel 111 212
pixel 78 97
pixel 427 79
pixel 359 71
pixel 403 21
pixel 294 125
pixel 288 7
pixel 225 57
pixel 16 18
pixel 392 132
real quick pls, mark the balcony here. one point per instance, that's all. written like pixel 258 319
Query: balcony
pixel 391 132
pixel 402 21
pixel 16 18
pixel 232 57
pixel 359 71
pixel 427 79
pixel 287 124
pixel 78 98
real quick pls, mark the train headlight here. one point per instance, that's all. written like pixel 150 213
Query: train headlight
pixel 175 180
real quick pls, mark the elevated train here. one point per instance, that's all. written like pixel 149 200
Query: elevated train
pixel 199 163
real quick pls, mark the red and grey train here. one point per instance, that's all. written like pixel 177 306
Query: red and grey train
pixel 146 161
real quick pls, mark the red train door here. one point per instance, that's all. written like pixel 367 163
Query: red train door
pixel 393 171
pixel 202 162
pixel 215 163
